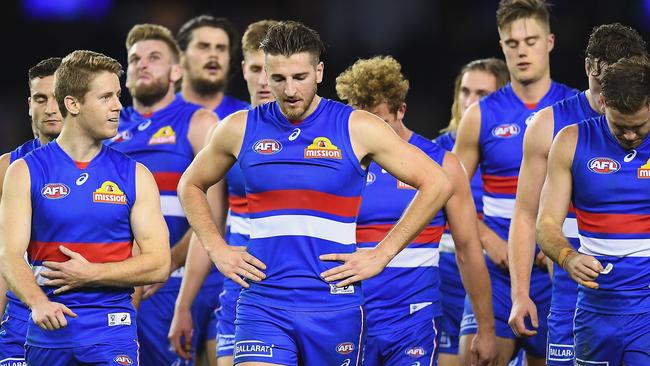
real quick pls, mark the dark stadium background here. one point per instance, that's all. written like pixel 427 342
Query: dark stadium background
pixel 452 32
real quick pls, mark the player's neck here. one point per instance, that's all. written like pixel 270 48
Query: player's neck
pixel 592 102
pixel 402 131
pixel 532 93
pixel 77 143
pixel 45 139
pixel 208 101
pixel 162 103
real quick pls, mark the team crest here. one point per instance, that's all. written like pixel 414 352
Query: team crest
pixel 644 171
pixel 322 147
pixel 109 192
pixel 54 191
pixel 165 135
pixel 603 165
pixel 370 178
pixel 123 360
pixel 267 147
pixel 506 131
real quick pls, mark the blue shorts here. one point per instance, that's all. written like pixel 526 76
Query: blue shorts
pixel 453 301
pixel 559 348
pixel 612 340
pixel 12 341
pixel 407 346
pixel 540 294
pixel 288 337
pixel 154 319
pixel 105 354
pixel 226 315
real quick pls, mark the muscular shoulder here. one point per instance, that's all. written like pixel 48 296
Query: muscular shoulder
pixel 539 132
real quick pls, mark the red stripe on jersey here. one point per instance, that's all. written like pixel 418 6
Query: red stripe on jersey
pixel 613 223
pixel 305 200
pixel 238 204
pixel 502 185
pixel 571 208
pixel 377 233
pixel 167 181
pixel 93 252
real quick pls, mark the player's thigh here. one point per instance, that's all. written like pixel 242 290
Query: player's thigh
pixel 211 352
pixel 448 359
pixel 225 361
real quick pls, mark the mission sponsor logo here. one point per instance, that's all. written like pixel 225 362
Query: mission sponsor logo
pixel 165 135
pixel 506 131
pixel 123 360
pixel 603 165
pixel 253 348
pixel 644 171
pixel 345 348
pixel 267 146
pixel 322 148
pixel 109 192
pixel 415 352
pixel 55 191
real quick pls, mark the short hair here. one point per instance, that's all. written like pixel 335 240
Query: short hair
pixel 254 34
pixel 44 68
pixel 290 37
pixel 370 82
pixel 184 35
pixel 76 72
pixel 494 66
pixel 145 32
pixel 609 43
pixel 626 84
pixel 511 10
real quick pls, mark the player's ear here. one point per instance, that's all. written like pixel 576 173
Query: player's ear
pixel 72 104
pixel 319 72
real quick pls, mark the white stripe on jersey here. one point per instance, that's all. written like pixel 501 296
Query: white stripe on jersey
pixel 498 207
pixel 171 206
pixel 615 247
pixel 570 227
pixel 304 225
pixel 447 244
pixel 238 224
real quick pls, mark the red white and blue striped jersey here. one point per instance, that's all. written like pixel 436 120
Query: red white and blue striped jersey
pixel 15 308
pixel 159 142
pixel 567 112
pixel 88 211
pixel 303 186
pixel 611 196
pixel 406 292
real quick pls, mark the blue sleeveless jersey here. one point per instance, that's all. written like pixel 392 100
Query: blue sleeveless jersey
pixel 503 122
pixel 406 292
pixel 228 105
pixel 15 308
pixel 303 186
pixel 611 197
pixel 567 112
pixel 87 210
pixel 160 143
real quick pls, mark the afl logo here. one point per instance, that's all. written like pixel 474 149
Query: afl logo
pixel 345 348
pixel 267 147
pixel 54 191
pixel 416 352
pixel 506 131
pixel 370 178
pixel 123 360
pixel 603 165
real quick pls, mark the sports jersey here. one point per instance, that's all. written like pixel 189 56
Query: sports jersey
pixel 92 207
pixel 389 304
pixel 303 186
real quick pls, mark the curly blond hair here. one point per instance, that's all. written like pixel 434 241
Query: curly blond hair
pixel 370 82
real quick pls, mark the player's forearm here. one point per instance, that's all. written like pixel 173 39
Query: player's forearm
pixel 476 280
pixel 429 199
pixel 486 235
pixel 21 280
pixel 521 251
pixel 197 268
pixel 144 269
pixel 551 240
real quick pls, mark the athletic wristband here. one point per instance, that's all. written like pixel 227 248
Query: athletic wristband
pixel 564 254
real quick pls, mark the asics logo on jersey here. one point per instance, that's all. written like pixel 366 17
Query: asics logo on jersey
pixel 603 165
pixel 415 352
pixel 164 135
pixel 294 135
pixel 322 147
pixel 123 360
pixel 346 362
pixel 143 126
pixel 506 131
pixel 109 192
pixel 644 171
pixel 55 191
pixel 82 179
pixel 629 157
pixel 345 348
pixel 267 147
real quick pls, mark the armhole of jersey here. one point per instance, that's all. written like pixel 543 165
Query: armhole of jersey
pixel 13 156
pixel 577 154
pixel 187 144
pixel 482 129
pixel 32 170
pixel 132 182
pixel 249 132
pixel 555 130
pixel 344 132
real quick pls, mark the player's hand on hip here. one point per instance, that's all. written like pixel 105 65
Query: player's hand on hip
pixel 235 262
pixel 484 349
pixel 357 266
pixel 74 273
pixel 584 269
pixel 180 332
pixel 51 315
pixel 522 308
pixel 541 260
